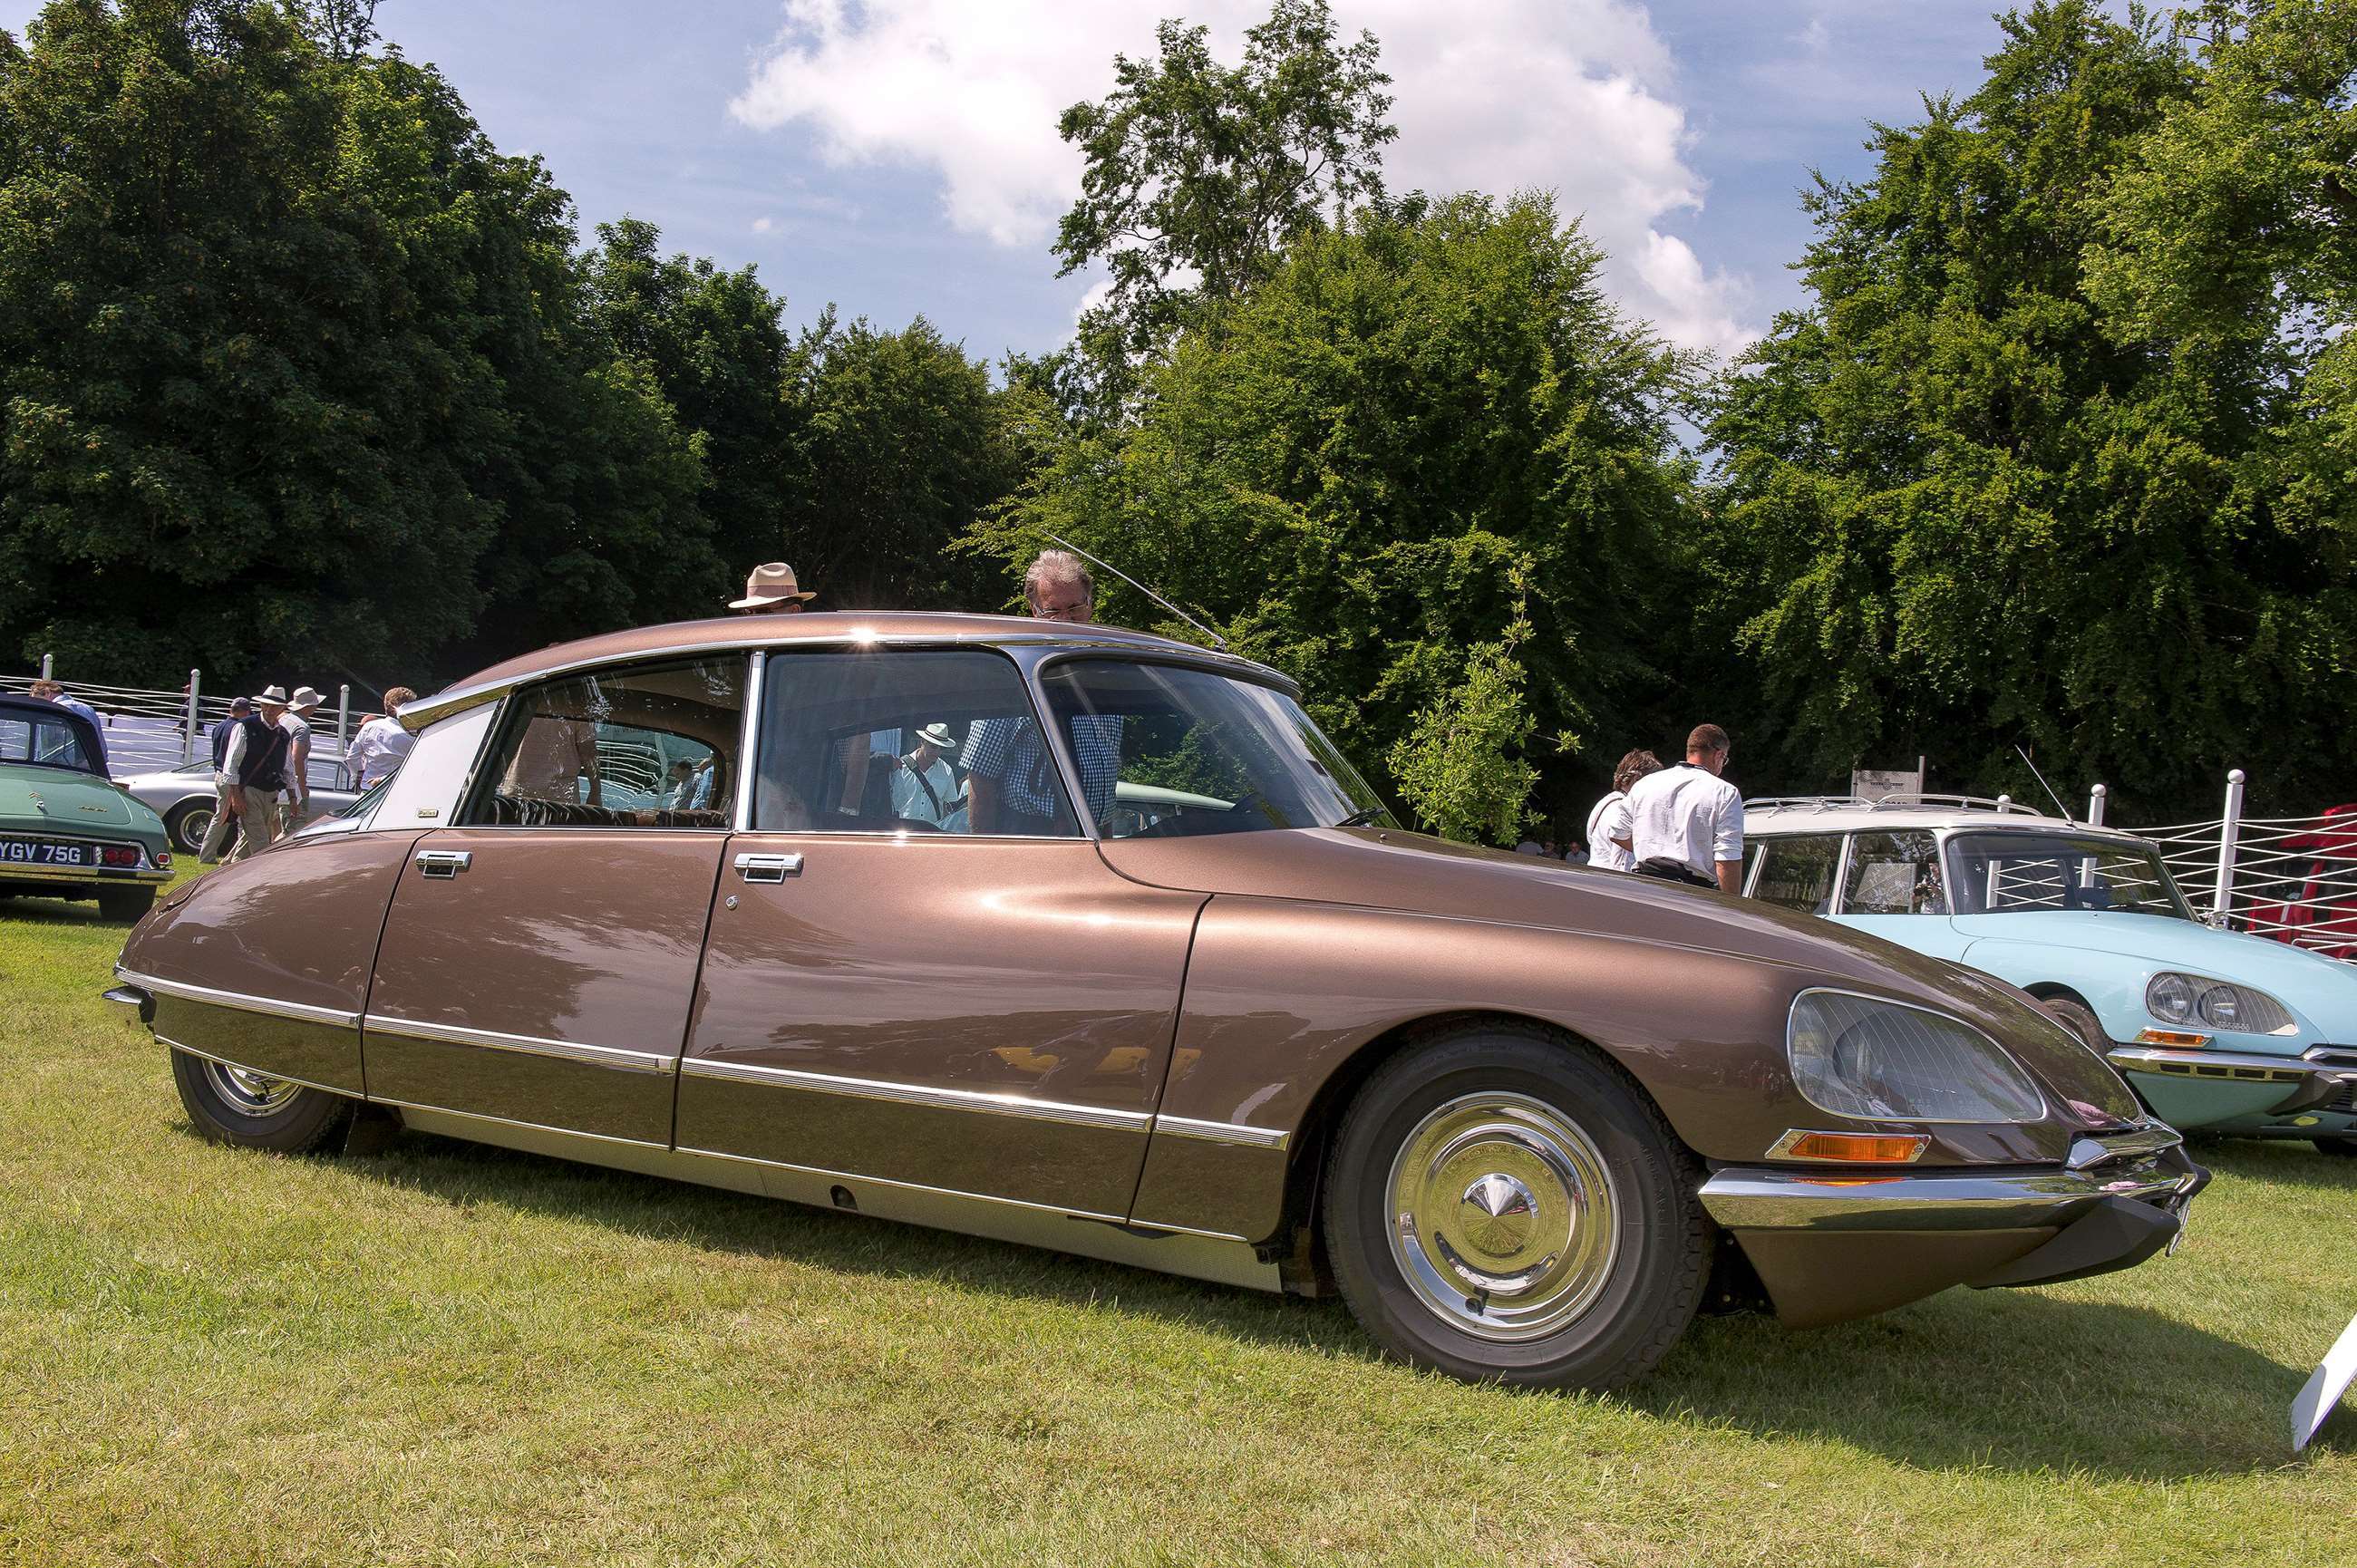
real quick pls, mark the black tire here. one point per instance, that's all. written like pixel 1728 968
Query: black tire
pixel 125 902
pixel 2343 1148
pixel 2077 1017
pixel 1625 1307
pixel 303 1121
pixel 187 822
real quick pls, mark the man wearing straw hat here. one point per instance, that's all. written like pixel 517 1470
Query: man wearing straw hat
pixel 924 790
pixel 252 771
pixel 771 590
pixel 297 725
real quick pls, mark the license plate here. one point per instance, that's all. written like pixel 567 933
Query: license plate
pixel 34 852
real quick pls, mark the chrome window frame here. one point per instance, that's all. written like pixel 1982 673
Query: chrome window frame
pixel 505 699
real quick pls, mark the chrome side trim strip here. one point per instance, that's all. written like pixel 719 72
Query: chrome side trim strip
pixel 617 1056
pixel 241 1000
pixel 242 1066
pixel 1223 1132
pixel 918 1094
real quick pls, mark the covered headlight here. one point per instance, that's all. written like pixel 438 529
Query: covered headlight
pixel 2175 998
pixel 1875 1060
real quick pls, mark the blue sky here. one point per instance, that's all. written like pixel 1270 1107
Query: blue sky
pixel 897 156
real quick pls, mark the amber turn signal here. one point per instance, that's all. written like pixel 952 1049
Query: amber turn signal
pixel 1852 1148
pixel 2170 1038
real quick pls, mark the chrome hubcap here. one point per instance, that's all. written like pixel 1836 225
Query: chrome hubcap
pixel 1503 1219
pixel 251 1092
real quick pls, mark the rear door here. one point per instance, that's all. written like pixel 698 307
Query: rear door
pixel 541 955
pixel 1895 886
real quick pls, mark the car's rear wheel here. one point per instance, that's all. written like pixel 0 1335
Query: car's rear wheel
pixel 2080 1020
pixel 2340 1148
pixel 125 902
pixel 253 1111
pixel 1501 1204
pixel 189 824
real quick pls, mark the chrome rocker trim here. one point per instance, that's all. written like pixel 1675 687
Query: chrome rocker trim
pixel 239 1000
pixel 1235 1132
pixel 620 1058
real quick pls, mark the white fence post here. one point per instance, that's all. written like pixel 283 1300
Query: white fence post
pixel 188 744
pixel 2095 805
pixel 45 666
pixel 2222 900
pixel 343 717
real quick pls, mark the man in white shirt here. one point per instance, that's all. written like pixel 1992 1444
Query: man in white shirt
pixel 1607 824
pixel 923 788
pixel 1687 815
pixel 376 752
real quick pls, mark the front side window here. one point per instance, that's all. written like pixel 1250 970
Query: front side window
pixel 1997 873
pixel 45 742
pixel 651 746
pixel 866 740
pixel 1798 873
pixel 1894 874
pixel 1164 751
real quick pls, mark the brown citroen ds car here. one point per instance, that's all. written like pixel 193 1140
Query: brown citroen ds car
pixel 1085 938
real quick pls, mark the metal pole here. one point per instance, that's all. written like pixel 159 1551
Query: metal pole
pixel 2222 900
pixel 188 740
pixel 2095 805
pixel 343 717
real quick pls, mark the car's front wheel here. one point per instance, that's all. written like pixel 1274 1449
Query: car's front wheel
pixel 2079 1019
pixel 1501 1204
pixel 2341 1148
pixel 237 1105
pixel 189 824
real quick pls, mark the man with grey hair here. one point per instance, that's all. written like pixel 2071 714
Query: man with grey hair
pixel 1010 779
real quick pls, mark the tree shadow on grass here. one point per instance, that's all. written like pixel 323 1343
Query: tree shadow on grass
pixel 2005 1380
pixel 36 909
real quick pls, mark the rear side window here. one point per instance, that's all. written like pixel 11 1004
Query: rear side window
pixel 1894 874
pixel 1798 873
pixel 640 746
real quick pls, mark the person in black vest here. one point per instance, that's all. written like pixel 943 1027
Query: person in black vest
pixel 224 814
pixel 252 771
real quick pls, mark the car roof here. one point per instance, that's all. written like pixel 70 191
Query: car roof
pixel 1836 814
pixel 836 627
pixel 41 708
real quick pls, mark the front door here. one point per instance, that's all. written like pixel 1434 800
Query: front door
pixel 539 957
pixel 893 997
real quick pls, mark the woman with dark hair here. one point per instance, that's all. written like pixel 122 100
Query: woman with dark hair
pixel 1607 824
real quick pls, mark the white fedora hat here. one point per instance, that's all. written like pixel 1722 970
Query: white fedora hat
pixel 938 736
pixel 771 582
pixel 304 700
pixel 273 696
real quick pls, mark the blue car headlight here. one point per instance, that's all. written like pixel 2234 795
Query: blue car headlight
pixel 1875 1060
pixel 2175 998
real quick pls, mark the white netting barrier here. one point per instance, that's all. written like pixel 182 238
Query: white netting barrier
pixel 2291 878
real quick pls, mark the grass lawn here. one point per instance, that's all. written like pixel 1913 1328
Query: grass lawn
pixel 446 1354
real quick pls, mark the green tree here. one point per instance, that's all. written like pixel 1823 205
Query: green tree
pixel 1963 507
pixel 902 446
pixel 1461 766
pixel 292 371
pixel 1200 171
pixel 717 348
pixel 1419 429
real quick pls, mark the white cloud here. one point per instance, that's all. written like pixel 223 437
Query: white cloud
pixel 1572 96
pixel 763 225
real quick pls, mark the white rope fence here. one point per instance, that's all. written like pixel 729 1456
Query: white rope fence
pixel 154 731
pixel 2291 878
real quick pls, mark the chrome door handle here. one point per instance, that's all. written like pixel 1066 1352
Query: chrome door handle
pixel 769 867
pixel 443 861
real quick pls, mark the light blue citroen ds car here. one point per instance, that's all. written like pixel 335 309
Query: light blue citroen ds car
pixel 2214 1029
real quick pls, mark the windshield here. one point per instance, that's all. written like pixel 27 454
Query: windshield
pixel 45 742
pixel 1997 873
pixel 1164 751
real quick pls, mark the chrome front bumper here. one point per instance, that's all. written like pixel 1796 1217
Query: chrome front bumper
pixel 2146 1167
pixel 2309 1079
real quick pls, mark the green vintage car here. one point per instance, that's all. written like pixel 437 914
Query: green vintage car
pixel 67 830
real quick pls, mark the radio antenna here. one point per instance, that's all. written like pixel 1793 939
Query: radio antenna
pixel 1217 641
pixel 2043 784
